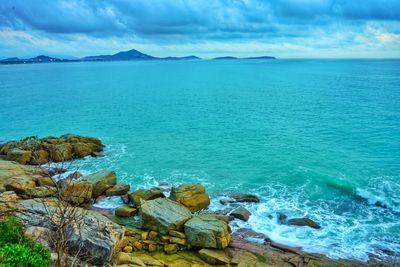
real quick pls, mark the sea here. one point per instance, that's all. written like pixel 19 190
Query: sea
pixel 316 138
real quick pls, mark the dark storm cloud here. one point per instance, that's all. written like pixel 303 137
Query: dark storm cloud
pixel 155 17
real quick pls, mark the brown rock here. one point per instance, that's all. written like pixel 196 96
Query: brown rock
pixel 43 181
pixel 214 256
pixel 19 186
pixel 101 181
pixel 177 234
pixel 19 155
pixel 192 196
pixel 171 248
pixel 145 194
pixel 304 222
pixel 117 190
pixel 77 192
pixel 125 211
pixel 39 157
pixel 241 213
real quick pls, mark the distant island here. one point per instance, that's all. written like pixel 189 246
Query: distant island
pixel 120 56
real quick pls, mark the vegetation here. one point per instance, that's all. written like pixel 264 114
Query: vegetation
pixel 16 250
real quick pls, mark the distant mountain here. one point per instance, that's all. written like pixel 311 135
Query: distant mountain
pixel 120 56
pixel 125 55
pixel 181 58
pixel 230 58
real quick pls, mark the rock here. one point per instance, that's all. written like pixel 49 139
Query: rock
pixel 125 199
pixel 162 215
pixel 171 248
pixel 192 196
pixel 125 211
pixel 94 236
pixel 81 150
pixel 206 231
pixel 304 222
pixel 77 192
pixel 244 258
pixel 128 249
pixel 55 171
pixel 45 181
pixel 237 198
pixel 117 190
pixel 145 194
pixel 126 258
pixel 177 240
pixel 97 154
pixel 41 191
pixel 241 213
pixel 177 234
pixel 12 172
pixel 181 259
pixel 8 202
pixel 19 155
pixel 60 152
pixel 39 157
pixel 282 218
pixel 147 259
pixel 74 175
pixel 20 186
pixel 101 181
pixel 214 256
pixel 246 233
pixel 39 235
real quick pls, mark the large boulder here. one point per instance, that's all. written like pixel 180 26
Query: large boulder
pixel 101 181
pixel 192 196
pixel 60 152
pixel 92 236
pixel 214 256
pixel 76 192
pixel 145 194
pixel 20 186
pixel 19 155
pixel 117 190
pixel 162 215
pixel 206 231
pixel 241 213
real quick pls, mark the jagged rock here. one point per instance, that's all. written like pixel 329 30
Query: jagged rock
pixel 304 222
pixel 237 198
pixel 125 211
pixel 241 213
pixel 192 196
pixel 93 235
pixel 77 192
pixel 60 152
pixel 206 231
pixel 145 194
pixel 41 191
pixel 101 181
pixel 39 157
pixel 19 155
pixel 214 256
pixel 162 215
pixel 20 185
pixel 117 190
pixel 10 170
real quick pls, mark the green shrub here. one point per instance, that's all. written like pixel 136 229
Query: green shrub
pixel 11 231
pixel 18 251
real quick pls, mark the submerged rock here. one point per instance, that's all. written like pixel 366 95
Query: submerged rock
pixel 237 198
pixel 192 196
pixel 241 213
pixel 101 181
pixel 304 222
pixel 145 194
pixel 162 215
pixel 206 231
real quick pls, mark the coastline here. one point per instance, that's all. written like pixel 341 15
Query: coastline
pixel 240 239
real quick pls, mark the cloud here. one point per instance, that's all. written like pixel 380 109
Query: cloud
pixel 317 24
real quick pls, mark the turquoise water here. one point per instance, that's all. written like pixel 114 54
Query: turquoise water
pixel 317 138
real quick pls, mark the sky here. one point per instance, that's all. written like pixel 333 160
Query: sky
pixel 206 28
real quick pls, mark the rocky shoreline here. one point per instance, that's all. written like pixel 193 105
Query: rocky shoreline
pixel 151 228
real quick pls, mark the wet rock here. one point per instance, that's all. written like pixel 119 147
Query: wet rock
pixel 192 196
pixel 241 213
pixel 55 171
pixel 214 256
pixel 74 175
pixel 282 218
pixel 145 194
pixel 304 222
pixel 238 198
pixel 97 154
pixel 19 155
pixel 101 181
pixel 125 211
pixel 117 190
pixel 162 215
pixel 249 233
pixel 206 231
